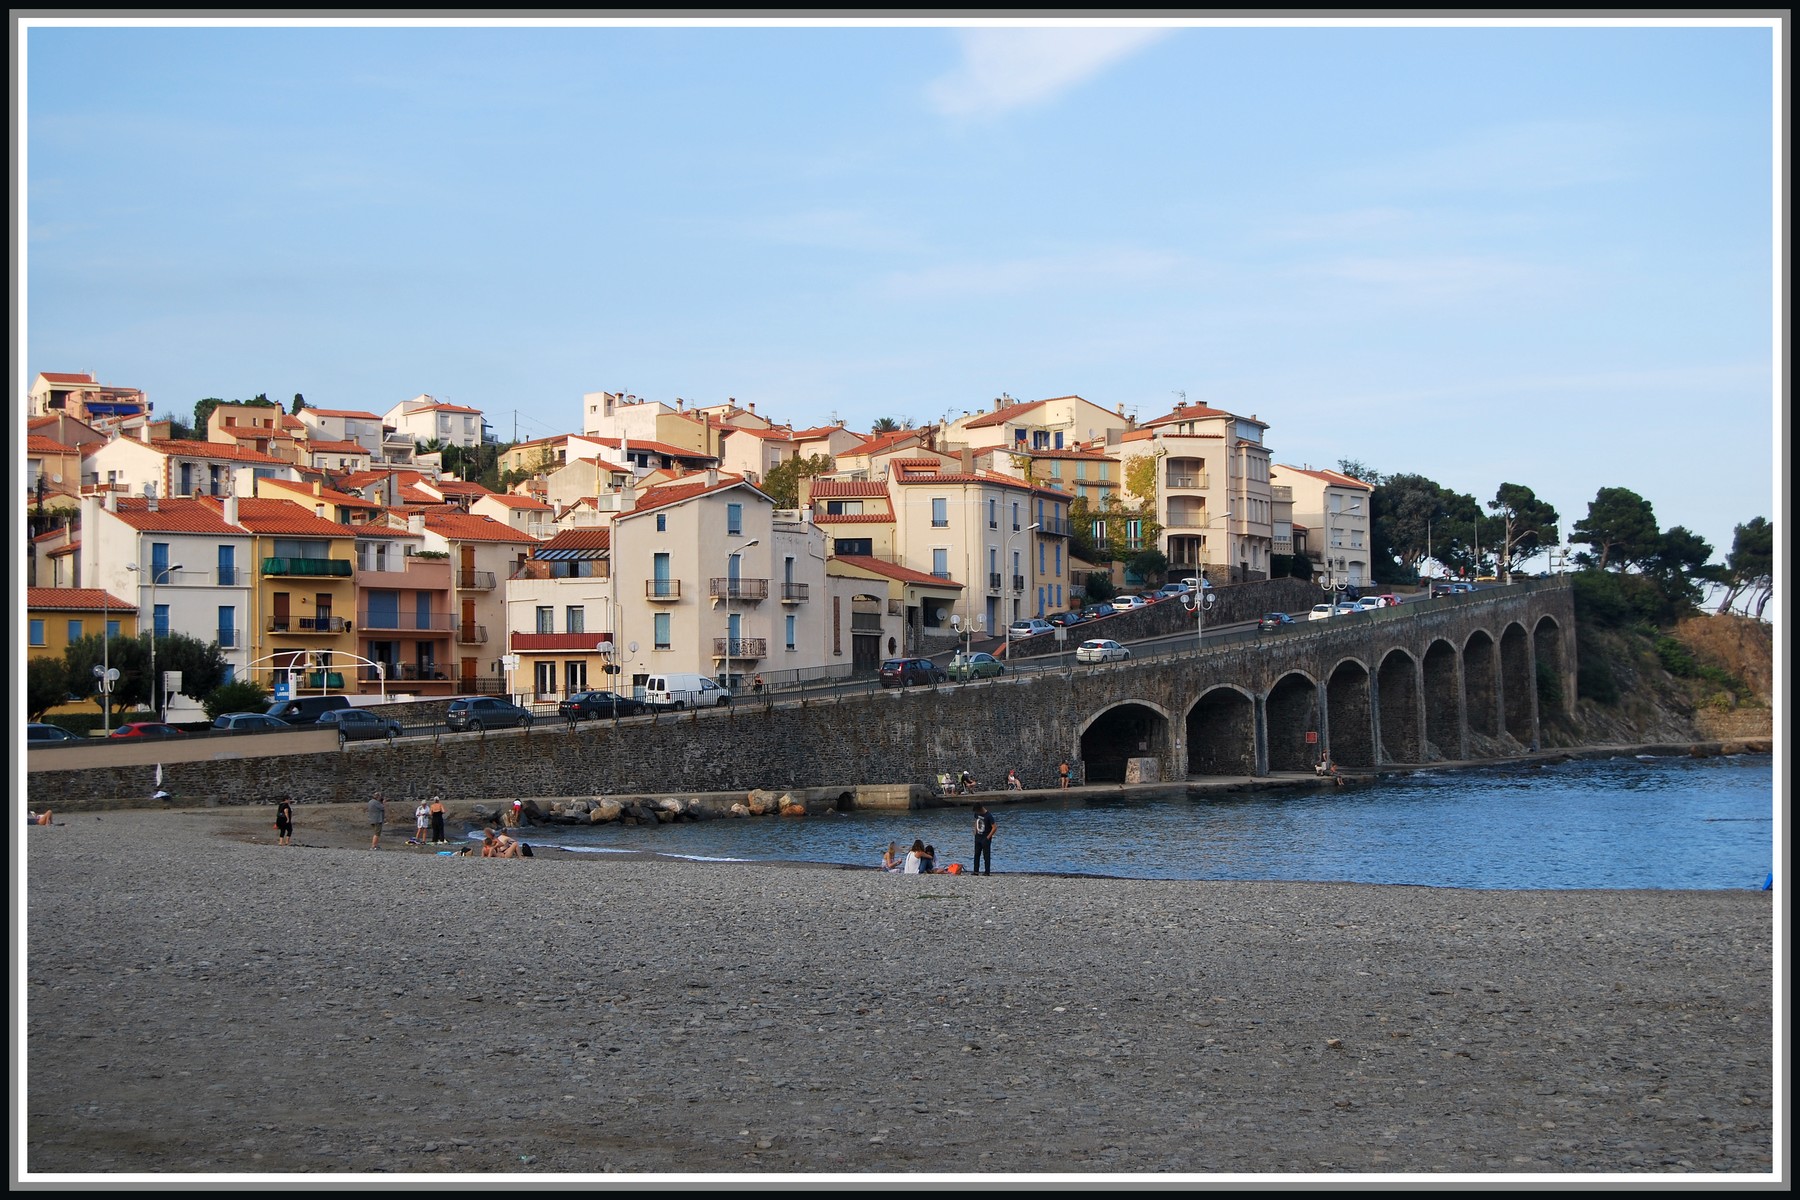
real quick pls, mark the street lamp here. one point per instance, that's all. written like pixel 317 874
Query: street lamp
pixel 731 584
pixel 1203 597
pixel 1009 537
pixel 153 573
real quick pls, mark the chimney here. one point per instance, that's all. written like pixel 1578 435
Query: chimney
pixel 144 433
pixel 231 508
pixel 316 488
pixel 112 501
pixel 150 496
pixel 997 404
pixel 415 522
pixel 712 477
pixel 1121 408
pixel 967 457
pixel 753 408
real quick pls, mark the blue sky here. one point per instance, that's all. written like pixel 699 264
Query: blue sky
pixel 1530 255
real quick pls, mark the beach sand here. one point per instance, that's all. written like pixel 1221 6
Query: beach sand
pixel 201 1000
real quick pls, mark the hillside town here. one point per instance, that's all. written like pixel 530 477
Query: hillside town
pixel 342 550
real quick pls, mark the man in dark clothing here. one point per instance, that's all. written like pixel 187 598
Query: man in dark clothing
pixel 984 842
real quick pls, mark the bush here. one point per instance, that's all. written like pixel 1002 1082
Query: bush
pixel 1549 687
pixel 241 695
pixel 1594 680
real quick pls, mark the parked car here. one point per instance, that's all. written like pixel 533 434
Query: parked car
pixel 1094 612
pixel 304 710
pixel 1031 628
pixel 975 666
pixel 904 672
pixel 1322 612
pixel 1388 599
pixel 1274 620
pixel 246 722
pixel 598 704
pixel 40 733
pixel 1169 591
pixel 485 712
pixel 1193 582
pixel 1065 619
pixel 1122 603
pixel 684 689
pixel 1099 650
pixel 359 725
pixel 147 729
pixel 1367 604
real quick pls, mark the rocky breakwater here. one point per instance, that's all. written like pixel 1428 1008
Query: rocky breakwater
pixel 713 806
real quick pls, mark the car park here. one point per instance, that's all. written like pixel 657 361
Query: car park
pixel 1031 628
pixel 582 705
pixel 1099 650
pixel 359 725
pixel 39 733
pixel 246 722
pixel 147 729
pixel 975 666
pixel 905 672
pixel 1274 620
pixel 485 712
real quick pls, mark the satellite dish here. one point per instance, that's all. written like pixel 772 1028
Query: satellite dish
pixel 55 478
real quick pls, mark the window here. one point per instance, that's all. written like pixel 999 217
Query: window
pixel 734 519
pixel 227 566
pixel 1081 470
pixel 160 621
pixel 574 677
pixel 543 678
pixel 940 562
pixel 662 631
pixel 227 627
pixel 1134 534
pixel 574 619
pixel 940 513
pixel 1015 512
pixel 1055 468
pixel 661 584
pixel 844 508
pixel 1058 570
pixel 74 632
pixel 790 632
pixel 546 619
pixel 662 522
pixel 159 561
pixel 37 632
pixel 863 546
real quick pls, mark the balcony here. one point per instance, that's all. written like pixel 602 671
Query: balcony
pixel 471 634
pixel 228 576
pixel 794 593
pixel 740 648
pixel 412 622
pixel 228 639
pixel 320 625
pixel 1188 479
pixel 1054 526
pixel 667 590
pixel 993 581
pixel 340 568
pixel 1018 582
pixel 725 588
pixel 477 581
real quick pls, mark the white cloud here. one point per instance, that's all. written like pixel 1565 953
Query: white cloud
pixel 1004 69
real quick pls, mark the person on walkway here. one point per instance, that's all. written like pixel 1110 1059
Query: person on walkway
pixel 1062 772
pixel 1013 783
pixel 377 818
pixel 757 685
pixel 284 823
pixel 984 842
pixel 437 819
pixel 422 823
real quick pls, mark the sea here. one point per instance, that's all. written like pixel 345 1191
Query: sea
pixel 1623 822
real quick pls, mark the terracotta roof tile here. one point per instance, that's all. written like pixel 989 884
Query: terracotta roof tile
pixel 220 450
pixel 848 487
pixel 37 443
pixel 76 600
pixel 579 539
pixel 893 570
pixel 1011 412
pixel 178 514
pixel 65 377
pixel 514 500
pixel 469 527
pixel 877 518
pixel 342 412
pixel 302 493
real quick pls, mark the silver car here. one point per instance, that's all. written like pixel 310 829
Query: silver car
pixel 1099 650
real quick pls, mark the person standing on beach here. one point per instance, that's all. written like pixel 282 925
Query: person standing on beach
pixel 437 819
pixel 284 823
pixel 1062 772
pixel 377 818
pixel 984 842
pixel 422 822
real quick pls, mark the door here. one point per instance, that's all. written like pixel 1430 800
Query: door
pixel 278 616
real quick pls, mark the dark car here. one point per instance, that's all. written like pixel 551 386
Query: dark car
pixel 1065 619
pixel 1274 621
pixel 39 733
pixel 598 704
pixel 356 725
pixel 904 672
pixel 147 729
pixel 485 712
pixel 1094 612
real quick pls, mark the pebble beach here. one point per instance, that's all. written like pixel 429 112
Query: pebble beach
pixel 199 1000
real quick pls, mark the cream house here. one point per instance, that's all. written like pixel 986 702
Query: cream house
pixel 1335 509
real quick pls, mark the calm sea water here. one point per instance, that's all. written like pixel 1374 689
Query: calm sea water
pixel 1593 823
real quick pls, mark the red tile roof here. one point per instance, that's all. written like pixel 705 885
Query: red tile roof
pixel 37 443
pixel 1195 412
pixel 64 377
pixel 1334 478
pixel 837 488
pixel 660 448
pixel 341 412
pixel 192 449
pixel 894 570
pixel 76 600
pixel 886 441
pixel 315 446
pixel 1011 412
pixel 460 487
pixel 687 488
pixel 514 500
pixel 286 517
pixel 867 518
pixel 178 514
pixel 302 493
pixel 579 539
pixel 469 527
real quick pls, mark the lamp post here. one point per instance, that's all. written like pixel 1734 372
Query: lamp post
pixel 1009 537
pixel 730 587
pixel 152 572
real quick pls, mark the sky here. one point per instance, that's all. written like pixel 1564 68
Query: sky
pixel 1539 254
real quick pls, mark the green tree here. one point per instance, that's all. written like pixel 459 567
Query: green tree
pixel 299 403
pixel 885 425
pixel 1527 524
pixel 1098 587
pixel 240 695
pixel 1750 567
pixel 46 686
pixel 1081 531
pixel 203 410
pixel 202 666
pixel 1149 565
pixel 1408 521
pixel 1679 566
pixel 782 482
pixel 1621 527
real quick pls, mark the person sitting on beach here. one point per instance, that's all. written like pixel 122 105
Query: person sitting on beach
pixel 966 784
pixel 915 858
pixel 928 861
pixel 892 860
pixel 494 845
pixel 1012 782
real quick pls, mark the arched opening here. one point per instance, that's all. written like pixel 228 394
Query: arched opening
pixel 1443 705
pixel 1347 712
pixel 1554 671
pixel 1397 713
pixel 1221 734
pixel 1292 713
pixel 1118 735
pixel 1481 685
pixel 1518 695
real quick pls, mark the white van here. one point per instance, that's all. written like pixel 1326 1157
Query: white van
pixel 684 691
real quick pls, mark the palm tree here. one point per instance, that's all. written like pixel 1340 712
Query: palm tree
pixel 885 425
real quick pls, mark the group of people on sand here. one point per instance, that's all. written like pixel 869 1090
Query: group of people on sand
pixel 922 858
pixel 495 844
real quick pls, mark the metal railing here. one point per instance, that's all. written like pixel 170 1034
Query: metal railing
pixel 336 567
pixel 794 593
pixel 724 587
pixel 306 625
pixel 1018 582
pixel 407 622
pixel 662 589
pixel 993 581
pixel 475 580
pixel 742 647
pixel 471 634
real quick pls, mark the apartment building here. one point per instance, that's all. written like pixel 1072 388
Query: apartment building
pixel 425 419
pixel 1213 495
pixel 1336 511
pixel 483 554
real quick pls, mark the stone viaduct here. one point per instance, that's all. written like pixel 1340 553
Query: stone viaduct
pixel 1453 678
